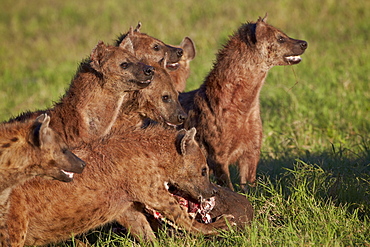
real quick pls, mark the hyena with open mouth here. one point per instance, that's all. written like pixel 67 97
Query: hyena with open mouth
pixel 226 110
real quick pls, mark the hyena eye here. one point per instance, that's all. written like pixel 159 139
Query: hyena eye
pixel 166 98
pixel 281 39
pixel 156 47
pixel 124 65
pixel 204 172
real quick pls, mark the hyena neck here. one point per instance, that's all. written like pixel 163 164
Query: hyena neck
pixel 13 156
pixel 237 75
pixel 87 111
pixel 11 180
pixel 129 116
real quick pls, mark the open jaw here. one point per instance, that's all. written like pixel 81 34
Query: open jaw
pixel 198 210
pixel 172 66
pixel 160 119
pixel 64 176
pixel 293 59
pixel 68 174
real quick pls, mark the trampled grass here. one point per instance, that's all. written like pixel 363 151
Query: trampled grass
pixel 314 174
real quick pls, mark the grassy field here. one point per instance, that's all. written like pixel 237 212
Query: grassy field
pixel 314 175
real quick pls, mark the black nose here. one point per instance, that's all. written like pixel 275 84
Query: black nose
pixel 181 117
pixel 179 52
pixel 304 45
pixel 149 70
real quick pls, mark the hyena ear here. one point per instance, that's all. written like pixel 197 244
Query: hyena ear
pixel 188 142
pixel 96 55
pixel 264 19
pixel 131 31
pixel 45 134
pixel 188 47
pixel 127 45
pixel 137 29
pixel 41 132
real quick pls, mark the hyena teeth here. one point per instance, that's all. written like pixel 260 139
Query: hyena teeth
pixel 294 58
pixel 69 174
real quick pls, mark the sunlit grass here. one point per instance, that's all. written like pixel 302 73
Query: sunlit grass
pixel 313 179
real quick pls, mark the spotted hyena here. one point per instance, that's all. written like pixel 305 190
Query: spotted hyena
pixel 93 101
pixel 114 187
pixel 225 109
pixel 154 50
pixel 27 150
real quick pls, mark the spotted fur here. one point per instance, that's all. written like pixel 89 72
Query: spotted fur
pixel 27 150
pixel 225 109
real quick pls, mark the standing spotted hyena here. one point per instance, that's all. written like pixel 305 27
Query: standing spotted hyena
pixel 27 150
pixel 225 109
pixel 154 50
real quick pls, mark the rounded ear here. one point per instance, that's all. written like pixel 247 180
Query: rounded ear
pixel 131 31
pixel 45 133
pixel 97 54
pixel 264 19
pixel 188 142
pixel 127 45
pixel 137 29
pixel 40 132
pixel 188 46
pixel 42 118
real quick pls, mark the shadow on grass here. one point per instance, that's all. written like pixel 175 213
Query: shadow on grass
pixel 337 175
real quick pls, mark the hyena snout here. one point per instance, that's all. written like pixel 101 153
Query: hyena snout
pixel 294 49
pixel 211 191
pixel 149 70
pixel 145 75
pixel 303 45
pixel 178 118
pixel 175 54
pixel 298 46
pixel 77 165
pixel 179 52
pixel 182 116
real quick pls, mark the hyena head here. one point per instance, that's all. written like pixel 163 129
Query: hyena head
pixel 119 69
pixel 192 177
pixel 56 161
pixel 159 101
pixel 272 45
pixel 151 48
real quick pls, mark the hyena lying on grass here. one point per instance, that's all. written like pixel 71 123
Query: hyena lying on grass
pixel 92 103
pixel 100 191
pixel 125 176
pixel 27 150
pixel 152 49
pixel 225 109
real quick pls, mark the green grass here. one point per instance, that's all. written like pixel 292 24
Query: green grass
pixel 314 184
